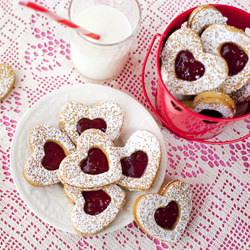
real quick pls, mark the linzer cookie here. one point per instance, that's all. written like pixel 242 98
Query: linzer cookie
pixel 50 146
pixel 165 215
pixel 7 80
pixel 140 160
pixel 234 46
pixel 204 16
pixel 95 164
pixel 214 104
pixel 95 210
pixel 186 69
pixel 242 95
pixel 77 117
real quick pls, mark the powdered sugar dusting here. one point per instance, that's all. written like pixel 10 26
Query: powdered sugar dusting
pixel 205 17
pixel 217 101
pixel 216 69
pixel 147 142
pixel 7 79
pixel 70 171
pixel 149 203
pixel 216 35
pixel 34 172
pixel 225 111
pixel 92 224
pixel 241 95
pixel 110 112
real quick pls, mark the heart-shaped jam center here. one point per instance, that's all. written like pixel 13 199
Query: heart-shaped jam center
pixel 86 123
pixel 187 68
pixel 95 163
pixel 135 164
pixel 166 217
pixel 54 154
pixel 95 201
pixel 236 58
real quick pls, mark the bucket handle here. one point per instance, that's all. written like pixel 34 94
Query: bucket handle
pixel 174 130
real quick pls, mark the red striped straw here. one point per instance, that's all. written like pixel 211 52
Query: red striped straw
pixel 59 19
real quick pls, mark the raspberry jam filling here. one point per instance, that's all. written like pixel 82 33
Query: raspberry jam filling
pixel 95 201
pixel 86 123
pixel 236 58
pixel 95 163
pixel 187 68
pixel 166 217
pixel 135 164
pixel 53 155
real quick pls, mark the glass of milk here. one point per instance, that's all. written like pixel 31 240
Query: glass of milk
pixel 116 21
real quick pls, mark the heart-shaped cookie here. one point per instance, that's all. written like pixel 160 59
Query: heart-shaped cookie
pixel 77 117
pixel 234 46
pixel 204 16
pixel 95 163
pixel 140 160
pixel 95 210
pixel 164 215
pixel 50 146
pixel 186 69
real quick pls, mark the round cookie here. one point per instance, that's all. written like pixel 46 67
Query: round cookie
pixel 204 16
pixel 95 210
pixel 233 45
pixel 7 79
pixel 95 163
pixel 215 104
pixel 49 147
pixel 77 117
pixel 186 69
pixel 140 161
pixel 165 215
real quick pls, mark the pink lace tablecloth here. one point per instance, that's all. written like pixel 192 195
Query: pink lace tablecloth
pixel 39 51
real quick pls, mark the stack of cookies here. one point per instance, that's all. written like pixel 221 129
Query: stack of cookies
pixel 205 64
pixel 83 157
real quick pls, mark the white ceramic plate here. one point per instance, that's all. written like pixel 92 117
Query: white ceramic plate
pixel 50 203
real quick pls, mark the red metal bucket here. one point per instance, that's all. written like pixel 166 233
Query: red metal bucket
pixel 181 120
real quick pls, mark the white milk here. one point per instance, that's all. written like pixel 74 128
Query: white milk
pixel 104 58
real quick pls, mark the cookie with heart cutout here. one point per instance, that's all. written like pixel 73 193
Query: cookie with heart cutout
pixel 204 16
pixel 76 117
pixel 95 210
pixel 140 161
pixel 214 104
pixel 165 215
pixel 7 79
pixel 49 146
pixel 186 69
pixel 95 163
pixel 233 45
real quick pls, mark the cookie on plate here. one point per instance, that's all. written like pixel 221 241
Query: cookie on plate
pixel 140 160
pixel 95 210
pixel 76 117
pixel 49 146
pixel 95 163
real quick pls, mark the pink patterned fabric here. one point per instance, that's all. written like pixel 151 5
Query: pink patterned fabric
pixel 38 49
